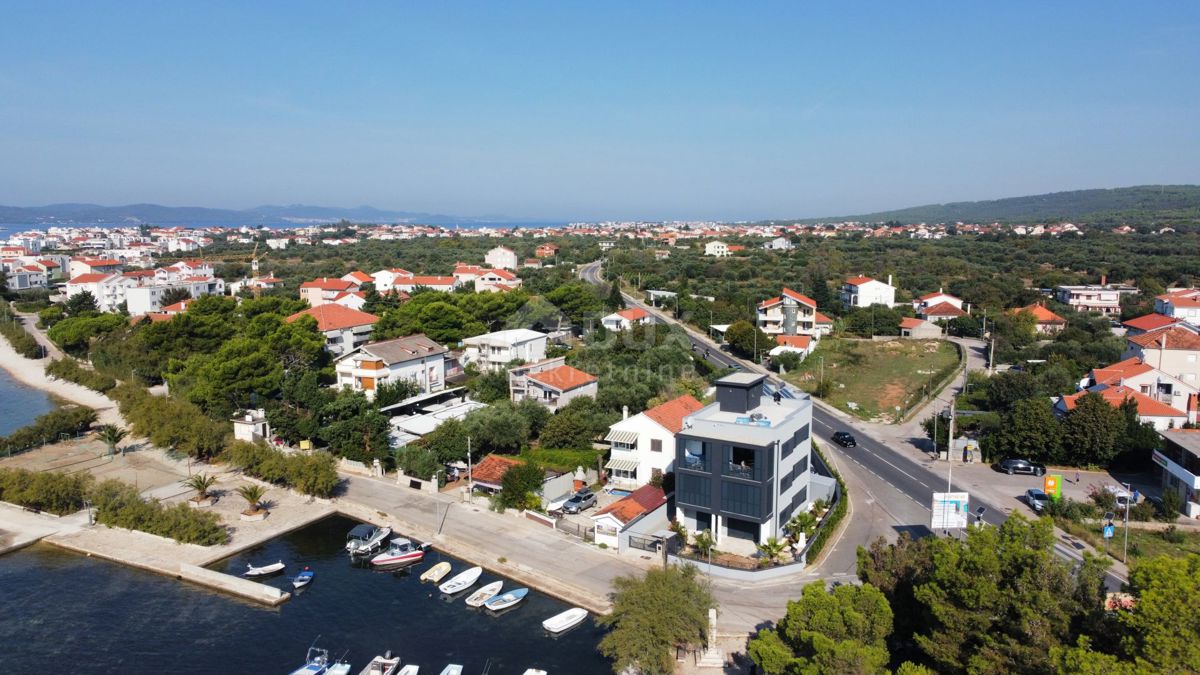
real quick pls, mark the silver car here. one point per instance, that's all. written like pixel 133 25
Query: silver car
pixel 1036 499
pixel 584 499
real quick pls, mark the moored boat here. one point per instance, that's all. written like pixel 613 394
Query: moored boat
pixel 535 671
pixel 461 581
pixel 400 551
pixel 452 669
pixel 382 665
pixel 506 599
pixel 265 570
pixel 317 662
pixel 565 620
pixel 410 669
pixel 436 573
pixel 304 578
pixel 484 594
pixel 366 538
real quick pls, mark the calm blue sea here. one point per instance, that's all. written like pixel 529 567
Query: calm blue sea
pixel 20 404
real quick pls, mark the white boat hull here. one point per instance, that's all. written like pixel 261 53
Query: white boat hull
pixel 252 571
pixel 484 594
pixel 565 620
pixel 462 581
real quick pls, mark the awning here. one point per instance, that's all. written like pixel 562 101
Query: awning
pixel 618 436
pixel 629 465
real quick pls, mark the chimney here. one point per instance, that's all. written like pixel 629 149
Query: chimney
pixel 1103 279
pixel 889 280
pixel 624 412
pixel 968 306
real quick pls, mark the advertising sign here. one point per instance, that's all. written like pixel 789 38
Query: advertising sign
pixel 950 510
pixel 1052 486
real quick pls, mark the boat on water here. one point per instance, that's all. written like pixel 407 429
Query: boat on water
pixel 410 669
pixel 366 538
pixel 535 671
pixel 565 620
pixel 386 664
pixel 452 669
pixel 461 581
pixel 436 573
pixel 484 594
pixel 506 599
pixel 265 570
pixel 304 578
pixel 400 551
pixel 317 662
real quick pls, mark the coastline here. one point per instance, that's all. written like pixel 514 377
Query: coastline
pixel 33 373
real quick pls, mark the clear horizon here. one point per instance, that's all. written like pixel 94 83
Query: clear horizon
pixel 552 112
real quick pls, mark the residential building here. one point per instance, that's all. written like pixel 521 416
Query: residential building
pixel 144 299
pixel 1145 379
pixel 433 283
pixel 496 351
pixel 742 466
pixel 1180 303
pixel 251 426
pixel 865 291
pixel 108 288
pixel 639 514
pixel 546 250
pixel 80 266
pixel 1175 351
pixel 626 319
pixel 643 446
pixel 1150 411
pixel 466 274
pixel 791 313
pixel 320 291
pixel 1179 466
pixel 385 280
pixel 919 329
pixel 942 311
pixel 415 358
pixel 358 278
pixel 1102 298
pixel 779 244
pixel 25 277
pixel 931 299
pixel 794 344
pixel 717 249
pixel 502 257
pixel 556 387
pixel 345 329
pixel 1149 323
pixel 1047 322
pixel 496 280
pixel 488 474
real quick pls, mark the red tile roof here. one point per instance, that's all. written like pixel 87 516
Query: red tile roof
pixel 1043 315
pixel 102 262
pixel 1113 374
pixel 1115 395
pixel 503 274
pixel 90 278
pixel 635 505
pixel 943 309
pixel 670 415
pixel 910 323
pixel 327 284
pixel 633 314
pixel 1150 322
pixel 360 276
pixel 797 341
pixel 1168 338
pixel 563 378
pixel 821 318
pixel 491 469
pixel 798 297
pixel 430 281
pixel 332 316
pixel 929 296
pixel 859 281
pixel 180 306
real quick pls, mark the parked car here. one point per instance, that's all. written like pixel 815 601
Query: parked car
pixel 1036 499
pixel 584 499
pixel 844 439
pixel 1017 465
pixel 1157 503
pixel 1124 499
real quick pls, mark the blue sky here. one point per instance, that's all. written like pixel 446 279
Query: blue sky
pixel 565 110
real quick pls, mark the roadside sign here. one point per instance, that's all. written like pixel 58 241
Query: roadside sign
pixel 951 510
pixel 1052 486
pixel 1109 530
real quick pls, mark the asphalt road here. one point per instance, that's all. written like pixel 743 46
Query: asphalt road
pixel 909 478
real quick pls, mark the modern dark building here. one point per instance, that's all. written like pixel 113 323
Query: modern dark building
pixel 742 465
pixel 1179 466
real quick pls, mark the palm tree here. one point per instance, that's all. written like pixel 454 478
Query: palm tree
pixel 801 522
pixel 253 495
pixel 201 483
pixel 111 435
pixel 704 542
pixel 771 550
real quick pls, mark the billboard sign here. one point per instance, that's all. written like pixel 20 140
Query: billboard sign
pixel 951 510
pixel 1052 486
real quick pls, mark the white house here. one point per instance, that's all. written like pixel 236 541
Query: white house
pixel 779 244
pixel 1174 350
pixel 1180 303
pixel 106 287
pixel 865 291
pixel 792 313
pixel 415 358
pixel 717 249
pixel 934 299
pixel 644 445
pixel 345 329
pixel 433 283
pixel 496 280
pixel 320 291
pixel 629 515
pixel 795 344
pixel 626 319
pixel 1145 379
pixel 556 387
pixel 502 257
pixel 494 351
pixel 1150 411
pixel 385 280
pixel 25 277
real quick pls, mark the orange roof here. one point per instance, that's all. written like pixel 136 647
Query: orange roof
pixel 670 415
pixel 47 263
pixel 1115 395
pixel 563 378
pixel 327 284
pixel 1168 338
pixel 89 278
pixel 798 297
pixel 503 274
pixel 633 313
pixel 360 276
pixel 797 341
pixel 180 306
pixel 859 281
pixel 332 316
pixel 821 318
pixel 943 309
pixel 635 505
pixel 1116 372
pixel 103 262
pixel 1150 322
pixel 929 296
pixel 491 469
pixel 430 281
pixel 910 323
pixel 1040 313
pixel 134 274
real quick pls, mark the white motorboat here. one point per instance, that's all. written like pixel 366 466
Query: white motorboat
pixel 452 669
pixel 484 594
pixel 317 662
pixel 436 573
pixel 339 668
pixel 382 665
pixel 265 570
pixel 535 671
pixel 565 620
pixel 461 581
pixel 506 599
pixel 400 551
pixel 410 669
pixel 365 538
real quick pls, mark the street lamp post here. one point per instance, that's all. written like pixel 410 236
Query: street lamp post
pixel 470 480
pixel 1128 491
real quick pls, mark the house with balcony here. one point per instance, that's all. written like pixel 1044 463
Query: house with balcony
pixel 1180 303
pixel 641 513
pixel 1179 466
pixel 344 329
pixel 108 288
pixel 1175 351
pixel 444 284
pixel 518 377
pixel 415 358
pixel 934 299
pixel 643 446
pixel 865 291
pixel 385 280
pixel 1102 298
pixel 742 464
pixel 490 281
pixel 716 249
pixel 556 387
pixel 147 298
pixel 546 250
pixel 626 319
pixel 1046 321
pixel 1150 411
pixel 792 313
pixel 496 351
pixel 1145 379
pixel 794 344
pixel 502 257
pixel 320 291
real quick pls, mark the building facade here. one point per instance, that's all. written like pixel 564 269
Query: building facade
pixel 415 358
pixel 495 351
pixel 865 291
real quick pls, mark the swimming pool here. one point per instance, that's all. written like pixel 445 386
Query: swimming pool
pixel 619 493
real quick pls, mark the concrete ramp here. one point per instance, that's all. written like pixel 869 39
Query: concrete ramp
pixel 251 590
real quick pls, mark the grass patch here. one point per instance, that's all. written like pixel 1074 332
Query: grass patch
pixel 870 379
pixel 1142 543
pixel 561 460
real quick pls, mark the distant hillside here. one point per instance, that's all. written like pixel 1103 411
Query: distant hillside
pixel 155 214
pixel 1140 205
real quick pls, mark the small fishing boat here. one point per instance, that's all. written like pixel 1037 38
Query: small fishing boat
pixel 452 669
pixel 265 570
pixel 461 581
pixel 400 551
pixel 317 662
pixel 304 578
pixel 436 573
pixel 365 538
pixel 565 620
pixel 484 594
pixel 410 669
pixel 382 665
pixel 506 599
pixel 339 668
pixel 535 671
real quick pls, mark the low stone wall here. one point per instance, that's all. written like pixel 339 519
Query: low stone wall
pixel 245 588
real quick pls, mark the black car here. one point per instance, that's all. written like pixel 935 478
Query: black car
pixel 844 439
pixel 1016 465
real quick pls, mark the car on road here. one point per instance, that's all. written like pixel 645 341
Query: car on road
pixel 1017 465
pixel 844 439
pixel 584 499
pixel 1036 499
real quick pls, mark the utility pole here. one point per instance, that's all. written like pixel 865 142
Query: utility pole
pixel 470 481
pixel 1128 499
pixel 950 445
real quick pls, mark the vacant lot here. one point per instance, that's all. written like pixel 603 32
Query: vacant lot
pixel 871 379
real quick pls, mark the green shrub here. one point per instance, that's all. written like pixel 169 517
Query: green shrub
pixel 1172 535
pixel 58 493
pixel 561 460
pixel 69 369
pixel 69 420
pixel 21 341
pixel 831 520
pixel 1143 511
pixel 311 473
pixel 120 505
pixel 170 422
pixel 1071 510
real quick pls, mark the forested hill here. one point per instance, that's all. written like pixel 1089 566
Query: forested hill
pixel 1139 205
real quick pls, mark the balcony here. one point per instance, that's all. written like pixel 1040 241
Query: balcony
pixel 739 471
pixel 695 462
